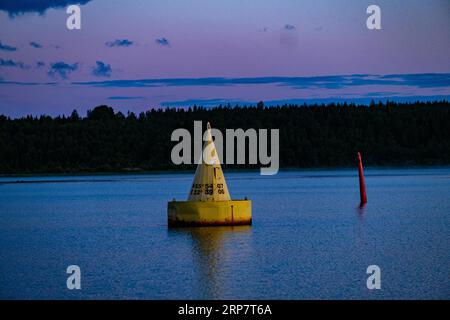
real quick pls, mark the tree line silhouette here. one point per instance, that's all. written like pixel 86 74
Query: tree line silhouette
pixel 310 136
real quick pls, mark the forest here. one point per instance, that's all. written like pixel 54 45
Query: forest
pixel 311 136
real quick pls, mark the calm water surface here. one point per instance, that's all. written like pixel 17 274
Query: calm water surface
pixel 308 240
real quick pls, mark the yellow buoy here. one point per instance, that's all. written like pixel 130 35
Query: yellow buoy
pixel 209 202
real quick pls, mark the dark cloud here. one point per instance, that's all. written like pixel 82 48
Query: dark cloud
pixel 12 64
pixel 289 27
pixel 25 84
pixel 423 80
pixel 203 102
pixel 101 69
pixel 62 69
pixel 163 42
pixel 119 43
pixel 6 47
pixel 18 7
pixel 35 45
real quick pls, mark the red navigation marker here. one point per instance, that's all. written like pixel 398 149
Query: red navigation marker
pixel 362 187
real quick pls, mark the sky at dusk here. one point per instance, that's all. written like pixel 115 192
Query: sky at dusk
pixel 135 55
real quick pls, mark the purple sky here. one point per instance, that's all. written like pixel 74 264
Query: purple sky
pixel 255 50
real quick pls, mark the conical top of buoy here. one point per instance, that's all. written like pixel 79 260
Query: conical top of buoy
pixel 209 182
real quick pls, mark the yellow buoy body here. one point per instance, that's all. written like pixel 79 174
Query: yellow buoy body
pixel 209 201
pixel 209 213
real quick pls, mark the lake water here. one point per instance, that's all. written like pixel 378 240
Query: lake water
pixel 308 240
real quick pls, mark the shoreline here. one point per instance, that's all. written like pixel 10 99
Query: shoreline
pixel 186 171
